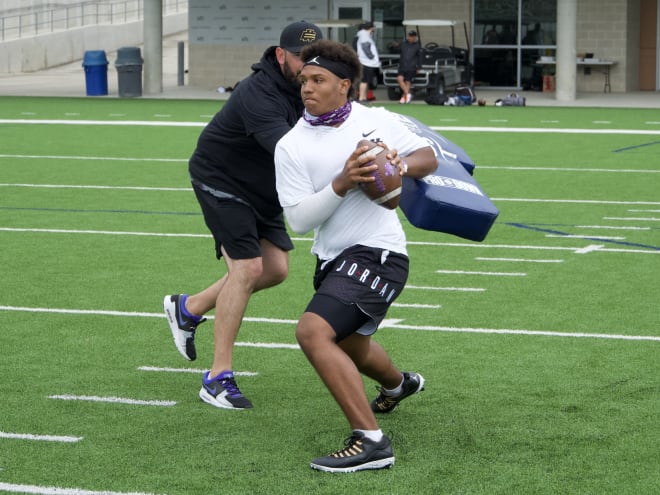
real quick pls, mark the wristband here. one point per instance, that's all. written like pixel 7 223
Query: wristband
pixel 404 166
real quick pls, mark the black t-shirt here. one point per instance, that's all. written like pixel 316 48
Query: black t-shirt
pixel 234 152
pixel 410 58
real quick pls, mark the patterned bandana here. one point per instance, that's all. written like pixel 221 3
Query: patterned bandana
pixel 333 118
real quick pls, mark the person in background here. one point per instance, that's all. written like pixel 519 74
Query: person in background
pixel 368 54
pixel 233 177
pixel 410 61
pixel 360 247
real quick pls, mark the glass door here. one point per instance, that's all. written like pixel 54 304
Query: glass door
pixel 509 37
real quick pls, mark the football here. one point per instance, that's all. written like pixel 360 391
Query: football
pixel 386 189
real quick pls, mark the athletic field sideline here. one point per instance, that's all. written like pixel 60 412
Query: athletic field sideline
pixel 540 345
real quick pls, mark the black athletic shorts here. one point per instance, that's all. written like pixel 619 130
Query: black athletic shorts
pixel 236 227
pixel 369 74
pixel 355 290
pixel 408 75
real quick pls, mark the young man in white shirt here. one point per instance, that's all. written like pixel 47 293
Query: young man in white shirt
pixel 362 262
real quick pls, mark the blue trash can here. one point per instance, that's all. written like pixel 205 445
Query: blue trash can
pixel 96 73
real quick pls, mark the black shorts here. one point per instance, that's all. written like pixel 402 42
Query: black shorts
pixel 408 75
pixel 238 229
pixel 369 74
pixel 355 290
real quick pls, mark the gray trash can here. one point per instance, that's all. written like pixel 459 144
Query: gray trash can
pixel 129 71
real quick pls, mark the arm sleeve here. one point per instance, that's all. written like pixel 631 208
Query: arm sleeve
pixel 366 48
pixel 313 210
pixel 265 118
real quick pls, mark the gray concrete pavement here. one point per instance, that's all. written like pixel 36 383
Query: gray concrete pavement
pixel 69 80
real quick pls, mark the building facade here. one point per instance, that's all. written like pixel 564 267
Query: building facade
pixel 507 38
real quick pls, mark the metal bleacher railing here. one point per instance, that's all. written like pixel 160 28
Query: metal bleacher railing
pixel 30 22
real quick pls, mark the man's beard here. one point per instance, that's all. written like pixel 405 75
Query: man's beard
pixel 289 75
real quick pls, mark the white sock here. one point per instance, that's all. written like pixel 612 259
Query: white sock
pixel 395 391
pixel 374 435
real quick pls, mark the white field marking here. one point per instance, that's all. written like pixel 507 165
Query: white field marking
pixel 102 232
pixel 498 120
pixel 191 370
pixel 611 227
pixel 589 249
pixel 495 274
pixel 267 345
pixel 40 438
pixel 184 160
pixel 101 312
pixel 309 239
pixel 393 324
pixel 71 114
pixel 651 122
pixel 544 130
pixel 454 289
pixel 187 189
pixel 576 236
pixel 162 115
pixel 146 123
pixel 644 211
pixel 117 115
pixel 521 260
pixel 577 201
pixel 116 400
pixel 546 333
pixel 549 122
pixel 417 306
pixel 601 122
pixel 571 169
pixel 633 219
pixel 93 158
pixel 56 490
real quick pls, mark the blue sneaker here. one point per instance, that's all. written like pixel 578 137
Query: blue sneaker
pixel 222 391
pixel 183 327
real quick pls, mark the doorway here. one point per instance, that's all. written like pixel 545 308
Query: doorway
pixel 649 45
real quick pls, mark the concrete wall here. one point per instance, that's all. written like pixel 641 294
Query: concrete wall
pixel 53 49
pixel 211 66
pixel 610 30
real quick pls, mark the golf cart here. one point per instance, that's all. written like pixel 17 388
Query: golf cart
pixel 443 66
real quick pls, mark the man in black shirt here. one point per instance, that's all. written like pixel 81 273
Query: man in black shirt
pixel 233 176
pixel 409 61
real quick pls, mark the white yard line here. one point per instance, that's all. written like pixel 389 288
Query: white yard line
pixel 56 490
pixel 40 438
pixel 393 323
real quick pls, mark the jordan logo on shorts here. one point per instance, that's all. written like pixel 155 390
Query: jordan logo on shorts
pixel 364 276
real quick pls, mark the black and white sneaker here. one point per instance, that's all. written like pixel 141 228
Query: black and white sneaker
pixel 182 327
pixel 359 453
pixel 412 384
pixel 222 391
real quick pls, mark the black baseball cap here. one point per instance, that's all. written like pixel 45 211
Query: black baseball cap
pixel 298 35
pixel 412 33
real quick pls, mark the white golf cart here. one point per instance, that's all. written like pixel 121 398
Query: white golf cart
pixel 443 66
